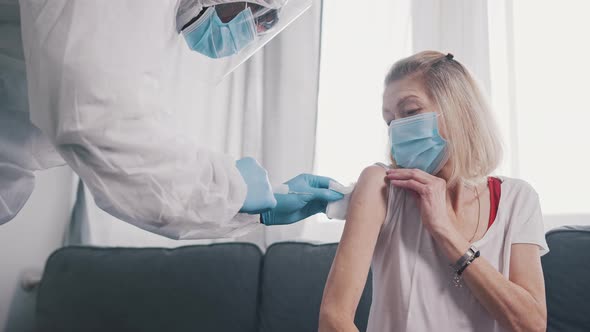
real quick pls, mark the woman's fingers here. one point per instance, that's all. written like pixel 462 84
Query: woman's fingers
pixel 409 184
pixel 410 173
pixel 419 181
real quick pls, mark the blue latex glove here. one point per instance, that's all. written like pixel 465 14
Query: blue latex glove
pixel 308 195
pixel 259 197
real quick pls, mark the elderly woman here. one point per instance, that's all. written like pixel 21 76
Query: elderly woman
pixel 451 248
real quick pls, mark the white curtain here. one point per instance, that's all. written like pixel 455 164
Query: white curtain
pixel 459 27
pixel 266 109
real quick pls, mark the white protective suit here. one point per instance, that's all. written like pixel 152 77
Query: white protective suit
pixel 100 75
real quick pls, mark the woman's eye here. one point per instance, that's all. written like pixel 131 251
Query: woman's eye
pixel 412 112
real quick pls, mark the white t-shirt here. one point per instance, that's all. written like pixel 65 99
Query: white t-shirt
pixel 413 286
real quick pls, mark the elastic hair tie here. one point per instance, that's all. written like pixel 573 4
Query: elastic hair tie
pixel 450 56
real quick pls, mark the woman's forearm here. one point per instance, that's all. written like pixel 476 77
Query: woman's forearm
pixel 348 275
pixel 506 301
pixel 333 322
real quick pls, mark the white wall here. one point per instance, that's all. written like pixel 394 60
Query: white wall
pixel 27 241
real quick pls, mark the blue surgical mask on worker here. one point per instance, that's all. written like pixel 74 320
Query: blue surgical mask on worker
pixel 215 39
pixel 416 143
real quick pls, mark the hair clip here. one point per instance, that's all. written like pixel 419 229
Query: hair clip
pixel 450 56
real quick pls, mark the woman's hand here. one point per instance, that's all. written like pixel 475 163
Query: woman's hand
pixel 437 216
pixel 431 194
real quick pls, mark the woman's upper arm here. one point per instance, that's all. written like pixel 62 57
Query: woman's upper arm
pixel 528 243
pixel 366 214
pixel 526 270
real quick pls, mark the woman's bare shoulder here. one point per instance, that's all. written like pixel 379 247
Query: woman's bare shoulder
pixel 370 192
pixel 373 176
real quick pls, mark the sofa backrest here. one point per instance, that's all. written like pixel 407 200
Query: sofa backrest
pixel 195 288
pixel 567 279
pixel 293 279
pixel 217 287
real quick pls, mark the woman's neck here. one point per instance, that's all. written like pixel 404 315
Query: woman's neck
pixel 458 193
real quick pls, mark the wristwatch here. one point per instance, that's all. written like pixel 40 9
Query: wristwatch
pixel 462 263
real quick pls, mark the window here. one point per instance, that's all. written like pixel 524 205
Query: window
pixel 358 47
pixel 552 70
pixel 359 44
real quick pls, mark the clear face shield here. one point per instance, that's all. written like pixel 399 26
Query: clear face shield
pixel 225 35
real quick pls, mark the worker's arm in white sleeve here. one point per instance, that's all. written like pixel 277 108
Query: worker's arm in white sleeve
pixel 99 77
pixel 23 149
pixel 17 179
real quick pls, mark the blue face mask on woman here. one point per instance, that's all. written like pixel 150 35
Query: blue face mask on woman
pixel 215 39
pixel 416 143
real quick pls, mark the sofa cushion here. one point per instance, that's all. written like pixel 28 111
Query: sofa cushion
pixel 194 288
pixel 567 278
pixel 294 275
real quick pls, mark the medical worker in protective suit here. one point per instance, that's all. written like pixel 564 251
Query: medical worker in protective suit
pixel 96 72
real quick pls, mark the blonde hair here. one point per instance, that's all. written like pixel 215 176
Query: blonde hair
pixel 472 137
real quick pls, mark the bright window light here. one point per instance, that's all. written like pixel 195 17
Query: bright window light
pixel 553 116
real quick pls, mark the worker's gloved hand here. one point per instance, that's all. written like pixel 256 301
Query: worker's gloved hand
pixel 260 197
pixel 304 196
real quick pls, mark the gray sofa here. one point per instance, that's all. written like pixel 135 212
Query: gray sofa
pixel 221 287
pixel 567 279
pixel 234 287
